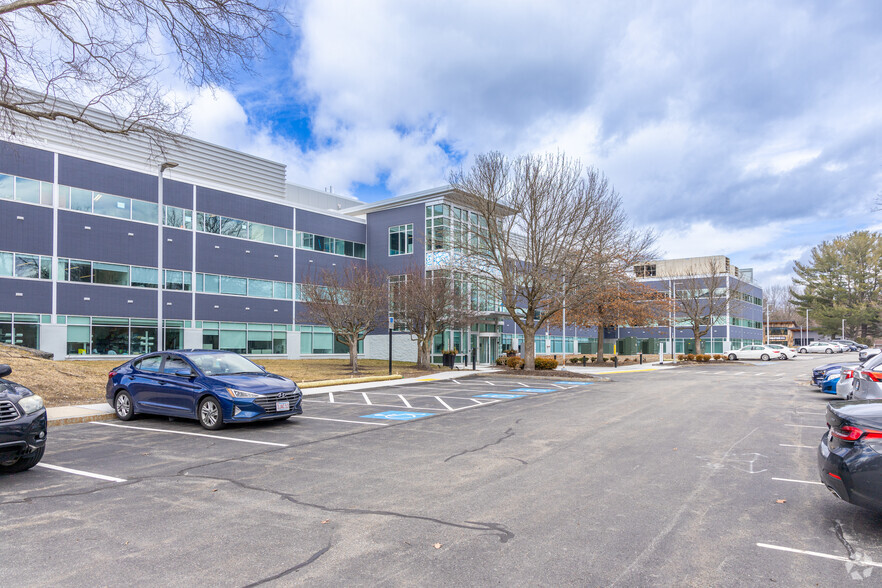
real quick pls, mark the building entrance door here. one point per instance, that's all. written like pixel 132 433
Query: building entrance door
pixel 488 349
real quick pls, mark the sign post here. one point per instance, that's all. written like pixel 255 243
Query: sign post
pixel 391 326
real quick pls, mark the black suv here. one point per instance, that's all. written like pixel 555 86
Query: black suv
pixel 22 426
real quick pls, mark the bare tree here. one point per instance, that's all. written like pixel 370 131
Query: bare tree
pixel 780 306
pixel 544 220
pixel 349 301
pixel 428 303
pixel 106 55
pixel 705 294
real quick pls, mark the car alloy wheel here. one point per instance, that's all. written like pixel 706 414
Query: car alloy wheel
pixel 732 357
pixel 124 406
pixel 828 350
pixel 765 357
pixel 210 414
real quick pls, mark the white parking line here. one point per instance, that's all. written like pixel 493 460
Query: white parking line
pixel 856 562
pixel 300 416
pixel 330 397
pixel 444 404
pixel 798 481
pixel 800 446
pixel 456 382
pixel 490 383
pixel 807 426
pixel 79 473
pixel 151 430
pixel 374 404
pixel 404 400
pixel 366 399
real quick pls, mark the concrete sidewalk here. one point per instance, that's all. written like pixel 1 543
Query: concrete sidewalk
pixel 81 413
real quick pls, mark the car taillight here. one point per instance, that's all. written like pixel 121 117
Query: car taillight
pixel 773 351
pixel 111 374
pixel 875 376
pixel 849 433
pixel 847 374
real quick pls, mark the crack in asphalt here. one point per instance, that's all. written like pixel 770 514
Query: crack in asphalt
pixel 290 570
pixel 840 534
pixel 508 433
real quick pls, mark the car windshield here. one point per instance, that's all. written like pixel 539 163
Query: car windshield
pixel 218 364
pixel 873 362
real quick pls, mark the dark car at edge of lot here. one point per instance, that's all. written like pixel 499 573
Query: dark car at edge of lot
pixel 819 373
pixel 850 454
pixel 22 426
pixel 213 387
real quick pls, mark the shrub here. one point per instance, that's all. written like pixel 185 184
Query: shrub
pixel 681 357
pixel 717 356
pixel 501 360
pixel 546 363
pixel 705 357
pixel 690 357
pixel 514 362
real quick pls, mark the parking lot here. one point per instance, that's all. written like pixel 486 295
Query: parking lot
pixel 703 475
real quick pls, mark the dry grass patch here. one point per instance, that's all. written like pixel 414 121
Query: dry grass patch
pixel 76 381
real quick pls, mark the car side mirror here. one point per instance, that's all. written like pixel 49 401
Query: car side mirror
pixel 5 370
pixel 184 374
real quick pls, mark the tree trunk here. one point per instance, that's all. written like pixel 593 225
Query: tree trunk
pixel 699 346
pixel 599 344
pixel 529 349
pixel 424 353
pixel 353 354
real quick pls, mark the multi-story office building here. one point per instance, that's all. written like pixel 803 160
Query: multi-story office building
pixel 111 248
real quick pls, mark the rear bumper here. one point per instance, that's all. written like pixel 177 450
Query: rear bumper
pixel 23 435
pixel 852 474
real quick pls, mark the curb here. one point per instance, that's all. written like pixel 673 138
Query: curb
pixel 80 419
pixel 342 382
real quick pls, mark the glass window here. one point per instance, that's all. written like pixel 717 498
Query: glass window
pixel 322 343
pixel 144 277
pixel 212 283
pixel 7 263
pixel 46 193
pixel 108 273
pixel 177 280
pixel 80 200
pixel 7 187
pixel 80 271
pixel 260 288
pixel 143 340
pixel 111 206
pixel 401 240
pixel 27 190
pixel 281 290
pixel 233 341
pixel 27 266
pixel 210 223
pixel 148 364
pixel 45 268
pixel 178 217
pixel 282 236
pixel 260 342
pixel 359 250
pixel 110 340
pixel 144 211
pixel 173 364
pixel 231 285
pixel 259 232
pixel 232 227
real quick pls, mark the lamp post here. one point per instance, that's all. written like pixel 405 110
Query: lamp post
pixel 843 328
pixel 160 326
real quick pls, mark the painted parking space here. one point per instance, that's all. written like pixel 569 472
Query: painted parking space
pixel 534 390
pixel 396 415
pixel 573 383
pixel 500 396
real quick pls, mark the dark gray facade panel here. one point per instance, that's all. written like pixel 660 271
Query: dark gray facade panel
pixel 30 234
pixel 241 309
pixel 106 301
pixel 244 208
pixel 177 250
pixel 36 296
pixel 230 256
pixel 90 175
pixel 378 224
pixel 330 226
pixel 108 239
pixel 311 264
pixel 181 306
pixel 26 162
pixel 177 194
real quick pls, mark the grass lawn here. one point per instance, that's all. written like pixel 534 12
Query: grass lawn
pixel 75 381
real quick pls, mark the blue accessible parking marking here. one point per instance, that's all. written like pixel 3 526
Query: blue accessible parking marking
pixel 534 390
pixel 574 383
pixel 397 415
pixel 499 396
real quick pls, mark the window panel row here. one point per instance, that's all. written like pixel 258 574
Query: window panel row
pixel 235 286
pixel 331 245
pixel 233 227
pixel 25 190
pixel 25 265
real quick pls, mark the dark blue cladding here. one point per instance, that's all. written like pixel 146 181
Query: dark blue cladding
pixel 32 233
pixel 312 263
pixel 107 239
pixel 229 256
pixel 181 305
pixel 177 193
pixel 26 162
pixel 36 295
pixel 106 300
pixel 89 175
pixel 378 238
pixel 177 249
pixel 330 226
pixel 242 309
pixel 240 207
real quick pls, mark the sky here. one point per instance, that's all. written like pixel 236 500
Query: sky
pixel 750 129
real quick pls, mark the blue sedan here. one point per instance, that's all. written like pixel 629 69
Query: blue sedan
pixel 214 387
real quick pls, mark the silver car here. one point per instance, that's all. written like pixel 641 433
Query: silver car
pixel 865 354
pixel 867 380
pixel 844 386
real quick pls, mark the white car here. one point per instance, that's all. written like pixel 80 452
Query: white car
pixel 763 352
pixel 786 352
pixel 865 354
pixel 819 347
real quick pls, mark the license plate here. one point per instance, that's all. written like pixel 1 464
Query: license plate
pixel 283 405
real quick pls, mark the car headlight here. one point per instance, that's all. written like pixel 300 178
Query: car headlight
pixel 241 393
pixel 31 404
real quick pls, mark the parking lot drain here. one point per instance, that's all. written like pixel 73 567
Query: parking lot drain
pixel 500 396
pixel 397 415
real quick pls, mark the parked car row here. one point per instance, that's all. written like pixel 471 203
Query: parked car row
pixel 22 426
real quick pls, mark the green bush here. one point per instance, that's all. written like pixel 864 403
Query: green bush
pixel 514 362
pixel 546 363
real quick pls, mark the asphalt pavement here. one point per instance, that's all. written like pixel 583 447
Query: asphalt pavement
pixel 696 476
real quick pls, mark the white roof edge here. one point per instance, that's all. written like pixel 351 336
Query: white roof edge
pixel 335 213
pixel 397 201
pixel 305 187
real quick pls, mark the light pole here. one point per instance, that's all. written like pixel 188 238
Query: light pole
pixel 565 324
pixel 843 328
pixel 160 327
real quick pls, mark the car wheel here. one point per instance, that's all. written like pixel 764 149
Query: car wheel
pixel 783 357
pixel 803 351
pixel 210 415
pixel 124 406
pixel 23 463
pixel 732 357
pixel 765 357
pixel 828 350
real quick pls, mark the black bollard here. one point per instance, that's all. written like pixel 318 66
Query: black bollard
pixel 615 361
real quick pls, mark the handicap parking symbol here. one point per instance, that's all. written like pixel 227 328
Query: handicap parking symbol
pixel 582 383
pixel 397 415
pixel 500 396
pixel 534 390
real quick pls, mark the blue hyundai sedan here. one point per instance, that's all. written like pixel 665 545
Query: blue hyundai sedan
pixel 214 387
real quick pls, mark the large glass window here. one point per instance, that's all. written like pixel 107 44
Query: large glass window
pixel 178 217
pixel 7 264
pixel 260 288
pixel 177 280
pixel 231 285
pixel 232 227
pixel 25 190
pixel 108 273
pixel 144 211
pixel 106 204
pixel 113 336
pixel 144 277
pixel 330 245
pixel 401 239
pixel 317 339
pixel 23 265
pixel 214 284
pixel 259 232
